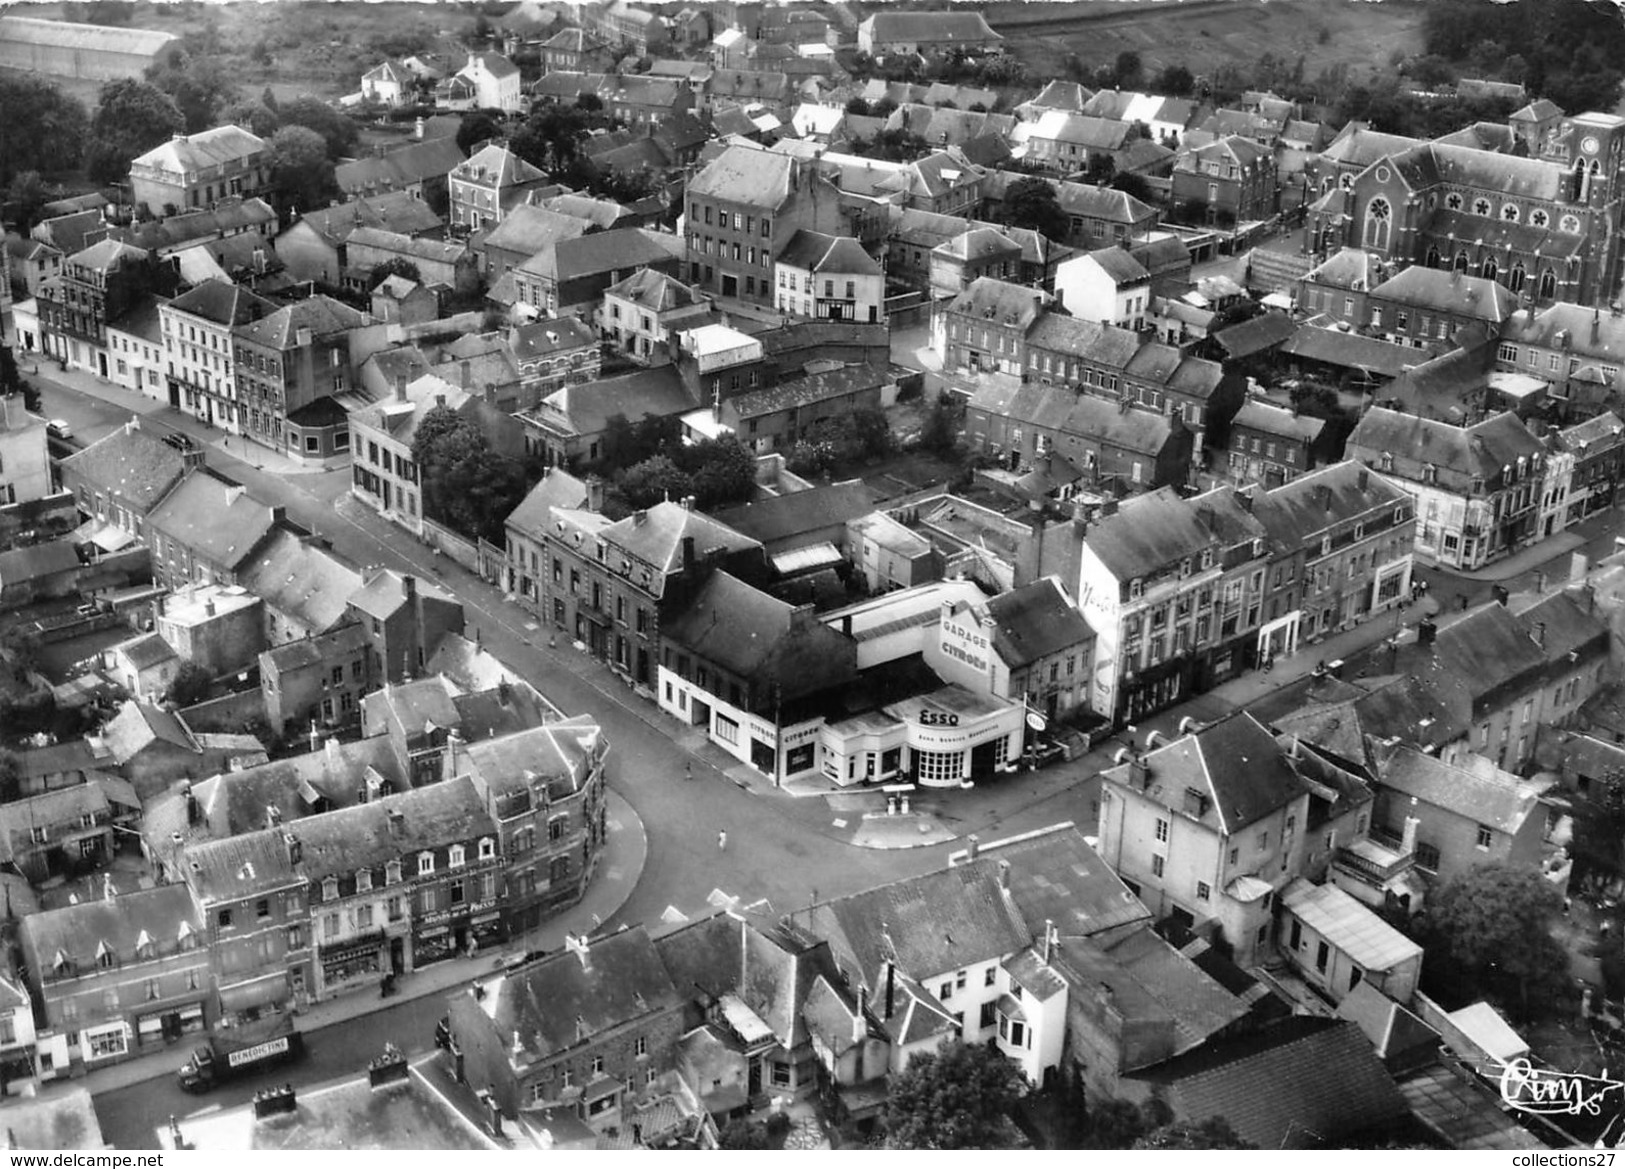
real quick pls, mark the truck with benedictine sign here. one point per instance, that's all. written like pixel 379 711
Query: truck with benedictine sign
pixel 250 1048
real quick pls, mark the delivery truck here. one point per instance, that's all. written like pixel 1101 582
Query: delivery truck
pixel 240 1051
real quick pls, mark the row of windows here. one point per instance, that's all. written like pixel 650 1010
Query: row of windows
pixel 738 222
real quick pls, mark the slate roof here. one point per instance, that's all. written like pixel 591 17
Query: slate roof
pixel 1448 292
pixel 222 219
pixel 540 339
pixel 529 228
pixel 757 637
pixel 658 538
pixel 1272 419
pixel 296 576
pixel 816 252
pixel 138 725
pixel 606 251
pixel 1255 336
pixel 655 291
pixel 826 385
pixel 367 836
pixel 1459 454
pixel 748 176
pixel 1486 795
pixel 1148 533
pixel 931 27
pixel 1305 1082
pixel 587 409
pixel 385 591
pixel 1119 266
pixel 37 561
pixel 1351 351
pixel 996 300
pixel 144 651
pixel 1079 130
pixel 783 517
pixel 79 932
pixel 930 924
pixel 131 463
pixel 1235 763
pixel 1100 343
pixel 565 999
pixel 1294 512
pixel 1034 621
pixel 432 250
pixel 392 210
pixel 222 302
pixel 1061 95
pixel 199 152
pixel 1056 877
pixel 215 519
pixel 604 213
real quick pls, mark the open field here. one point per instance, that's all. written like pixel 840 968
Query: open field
pixel 1203 34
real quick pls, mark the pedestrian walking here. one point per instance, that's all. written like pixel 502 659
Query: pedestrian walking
pixel 722 841
pixel 688 771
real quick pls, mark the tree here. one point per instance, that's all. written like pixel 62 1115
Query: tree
pixel 1175 80
pixel 11 776
pixel 302 175
pixel 724 471
pixel 1127 71
pixel 1495 922
pixel 201 86
pixel 958 1097
pixel 940 432
pixel 653 480
pixel 43 127
pixel 466 485
pixel 744 1134
pixel 1213 1133
pixel 26 195
pixel 338 131
pixel 477 126
pixel 191 685
pixel 1131 184
pixel 899 145
pixel 254 116
pixel 1031 203
pixel 859 107
pixel 395 266
pixel 131 118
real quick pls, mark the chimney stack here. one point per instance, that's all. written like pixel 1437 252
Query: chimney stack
pixel 859 1027
pixel 1539 634
pixel 1407 841
pixel 1049 938
pixel 1004 875
pixel 595 493
pixel 973 845
pixel 400 387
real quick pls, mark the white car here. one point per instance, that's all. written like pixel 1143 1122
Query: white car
pixel 58 428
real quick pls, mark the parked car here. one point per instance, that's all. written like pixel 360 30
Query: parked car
pixel 181 442
pixel 58 428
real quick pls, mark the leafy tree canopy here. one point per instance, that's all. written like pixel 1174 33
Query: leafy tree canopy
pixel 466 485
pixel 302 175
pixel 394 266
pixel 338 131
pixel 44 127
pixel 1175 81
pixel 1213 1133
pixel 724 471
pixel 1031 203
pixel 131 118
pixel 959 1097
pixel 191 685
pixel 201 86
pixel 476 127
pixel 1495 922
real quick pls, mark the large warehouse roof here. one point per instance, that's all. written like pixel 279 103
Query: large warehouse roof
pixel 28 30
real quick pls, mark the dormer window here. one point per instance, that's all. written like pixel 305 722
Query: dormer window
pixel 454 857
pixel 104 956
pixel 1387 460
pixel 1430 474
pixel 1325 545
pixel 363 880
pixel 1258 547
pixel 488 848
pixel 1207 558
pixel 143 946
pixel 425 864
pixel 1135 588
pixel 1185 567
pixel 330 889
pixel 392 873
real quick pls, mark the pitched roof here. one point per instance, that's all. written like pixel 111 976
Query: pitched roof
pixel 1079 130
pixel 1448 292
pixel 587 409
pixel 1369 941
pixel 781 517
pixel 297 576
pixel 1272 419
pixel 556 488
pixel 239 866
pixel 1057 878
pixel 559 1001
pixel 1459 454
pixel 385 592
pixel 495 64
pixel 1061 95
pixel 392 210
pixel 1481 792
pixel 218 220
pixel 1148 533
pixel 931 27
pixel 204 150
pixel 929 924
pixel 1035 620
pixel 131 463
pixel 222 302
pixel 762 639
pixel 1234 763
pixel 63 34
pixel 605 251
pixel 544 338
pixel 997 300
pixel 321 314
pixel 746 175
pixel 530 228
pixel 214 518
pixel 1118 264
pixel 816 252
pixel 1306 1082
pixel 655 291
pixel 657 539
pixel 430 250
pixel 162 915
pixel 1320 500
pixel 36 561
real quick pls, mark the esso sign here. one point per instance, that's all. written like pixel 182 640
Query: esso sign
pixel 938 718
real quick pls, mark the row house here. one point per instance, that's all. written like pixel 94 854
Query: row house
pixel 1029 645
pixel 197 330
pixel 1478 488
pixel 200 170
pixel 316 679
pixel 1270 445
pixel 98 286
pixel 19 1037
pixel 1210 829
pixel 397 883
pixel 252 897
pixel 621 23
pixel 1597 450
pixel 286 363
pixel 544 790
pixel 438 262
pixel 404 618
pixel 206 530
pixel 1342 542
pixel 1107 285
pixel 60 832
pixel 1578 351
pixel 570 277
pixel 317 247
pixel 123 975
pixel 1037 427
pixel 927 252
pixel 1426 306
pixel 985 327
pixel 742 211
pixel 118 480
pixel 1174 589
pixel 615 1039
pixel 754 673
pixel 1234 178
pixel 1072 143
pixel 383 472
pixel 526 528
pixel 551 354
pixel 610 585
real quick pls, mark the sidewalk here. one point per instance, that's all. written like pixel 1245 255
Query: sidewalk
pixel 619 866
pixel 1519 562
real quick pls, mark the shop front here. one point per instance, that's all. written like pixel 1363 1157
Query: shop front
pixel 165 1026
pixel 107 1042
pixel 243 1002
pixel 952 735
pixel 1279 638
pixel 352 963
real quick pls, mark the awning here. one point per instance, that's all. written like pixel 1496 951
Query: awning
pixel 1011 1009
pixel 104 535
pixel 259 992
pixel 598 1089
pixel 813 556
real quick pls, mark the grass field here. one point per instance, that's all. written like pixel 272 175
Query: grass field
pixel 1207 33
